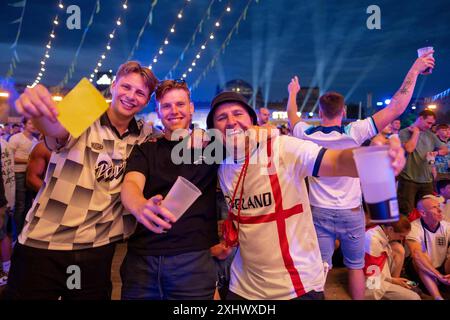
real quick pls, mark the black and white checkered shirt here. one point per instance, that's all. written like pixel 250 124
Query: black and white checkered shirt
pixel 79 205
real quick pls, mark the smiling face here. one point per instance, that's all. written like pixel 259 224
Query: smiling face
pixel 130 94
pixel 175 110
pixel 231 117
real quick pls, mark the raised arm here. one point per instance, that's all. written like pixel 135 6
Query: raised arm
pixel 37 104
pixel 293 89
pixel 403 96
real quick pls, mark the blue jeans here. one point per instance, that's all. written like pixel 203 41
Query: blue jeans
pixel 187 276
pixel 345 225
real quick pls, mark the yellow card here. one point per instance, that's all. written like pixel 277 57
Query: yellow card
pixel 81 107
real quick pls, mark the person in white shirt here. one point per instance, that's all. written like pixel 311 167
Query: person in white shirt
pixel 263 182
pixel 384 257
pixel 336 201
pixel 21 144
pixel 428 243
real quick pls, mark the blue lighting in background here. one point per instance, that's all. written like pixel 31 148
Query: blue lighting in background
pixel 387 101
pixel 379 103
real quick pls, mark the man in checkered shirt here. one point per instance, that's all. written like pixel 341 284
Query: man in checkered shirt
pixel 77 216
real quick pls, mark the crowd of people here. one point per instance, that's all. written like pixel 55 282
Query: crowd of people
pixel 274 209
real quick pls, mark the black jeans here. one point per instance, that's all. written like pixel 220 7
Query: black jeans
pixel 39 274
pixel 409 192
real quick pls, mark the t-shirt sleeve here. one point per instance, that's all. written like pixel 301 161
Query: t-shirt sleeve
pixel 299 129
pixel 362 130
pixel 404 135
pixel 415 234
pixel 57 145
pixel 305 156
pixel 13 142
pixel 138 160
pixel 437 143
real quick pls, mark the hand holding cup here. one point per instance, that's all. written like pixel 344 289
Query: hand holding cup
pixel 154 216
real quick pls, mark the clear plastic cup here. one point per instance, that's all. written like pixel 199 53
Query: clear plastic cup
pixel 180 197
pixel 377 182
pixel 423 51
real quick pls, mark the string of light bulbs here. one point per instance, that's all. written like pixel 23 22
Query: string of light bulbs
pixel 73 64
pixel 172 29
pixel 202 47
pixel 148 20
pixel 225 43
pixel 48 46
pixel 111 36
pixel 15 56
pixel 198 29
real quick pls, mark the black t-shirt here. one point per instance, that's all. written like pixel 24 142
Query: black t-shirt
pixel 197 228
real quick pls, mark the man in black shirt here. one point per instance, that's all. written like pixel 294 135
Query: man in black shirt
pixel 169 258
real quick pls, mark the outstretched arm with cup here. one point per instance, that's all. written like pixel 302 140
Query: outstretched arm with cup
pixel 402 97
pixel 149 212
pixel 37 104
pixel 336 163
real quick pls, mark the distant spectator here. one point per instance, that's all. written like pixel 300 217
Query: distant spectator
pixel 442 161
pixel 263 117
pixel 21 144
pixel 395 126
pixel 443 187
pixel 421 145
pixel 9 184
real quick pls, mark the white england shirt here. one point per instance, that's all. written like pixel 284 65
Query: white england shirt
pixel 278 255
pixel 336 192
pixel 376 266
pixel 434 242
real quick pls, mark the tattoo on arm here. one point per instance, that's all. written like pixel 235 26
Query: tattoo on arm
pixel 406 85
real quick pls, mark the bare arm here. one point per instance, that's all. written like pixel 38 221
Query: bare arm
pixel 37 166
pixel 37 104
pixel 403 96
pixel 422 259
pixel 293 88
pixel 148 212
pixel 336 163
pixel 411 144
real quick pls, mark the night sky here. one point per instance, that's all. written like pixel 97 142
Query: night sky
pixel 326 43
